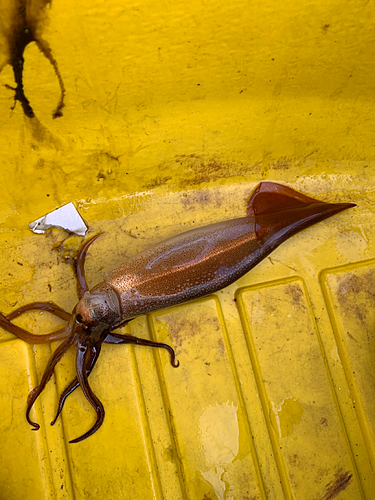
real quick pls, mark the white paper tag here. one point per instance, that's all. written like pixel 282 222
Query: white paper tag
pixel 65 217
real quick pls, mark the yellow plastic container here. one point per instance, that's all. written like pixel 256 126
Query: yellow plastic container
pixel 174 113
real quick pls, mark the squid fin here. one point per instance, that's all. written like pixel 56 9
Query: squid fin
pixel 279 212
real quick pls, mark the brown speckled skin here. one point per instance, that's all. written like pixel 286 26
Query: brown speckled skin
pixel 204 260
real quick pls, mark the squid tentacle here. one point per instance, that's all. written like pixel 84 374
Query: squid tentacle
pixel 54 359
pixel 50 307
pixel 94 355
pixel 83 354
pixel 33 338
pixel 82 286
pixel 116 338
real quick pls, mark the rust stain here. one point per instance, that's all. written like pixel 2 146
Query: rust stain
pixel 356 295
pixel 340 483
pixel 196 169
pixel 158 181
pixel 199 169
pixel 184 328
pixel 21 23
pixel 196 198
pixel 282 163
pixel 297 295
pixel 180 329
pixel 220 346
pixel 295 460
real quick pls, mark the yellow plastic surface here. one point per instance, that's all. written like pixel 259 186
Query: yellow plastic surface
pixel 174 112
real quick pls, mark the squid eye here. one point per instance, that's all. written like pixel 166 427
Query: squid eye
pixel 79 319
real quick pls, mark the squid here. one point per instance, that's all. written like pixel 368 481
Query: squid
pixel 191 265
